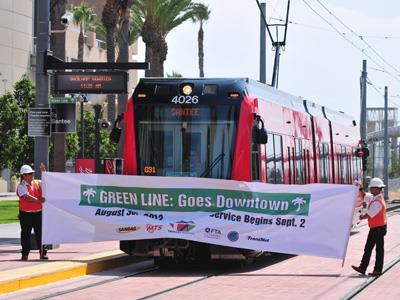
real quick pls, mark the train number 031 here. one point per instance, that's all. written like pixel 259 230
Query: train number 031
pixel 149 170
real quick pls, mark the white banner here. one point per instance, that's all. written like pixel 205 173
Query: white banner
pixel 312 219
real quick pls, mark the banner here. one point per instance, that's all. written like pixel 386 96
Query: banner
pixel 312 219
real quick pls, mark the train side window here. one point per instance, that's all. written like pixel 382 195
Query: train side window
pixel 270 159
pixel 344 166
pixel 293 162
pixel 299 162
pixel 324 163
pixel 255 161
pixel 290 165
pixel 309 165
pixel 278 159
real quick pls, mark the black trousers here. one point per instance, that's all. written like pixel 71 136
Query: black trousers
pixel 375 238
pixel 29 220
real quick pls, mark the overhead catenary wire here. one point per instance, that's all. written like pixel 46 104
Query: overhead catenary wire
pixel 351 42
pixel 361 37
pixel 378 90
pixel 292 22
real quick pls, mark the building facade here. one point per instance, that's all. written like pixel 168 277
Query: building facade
pixel 16 42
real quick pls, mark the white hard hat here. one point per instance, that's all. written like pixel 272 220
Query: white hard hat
pixel 376 182
pixel 26 169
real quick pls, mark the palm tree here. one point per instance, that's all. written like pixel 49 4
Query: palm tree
pixel 299 202
pixel 159 18
pixel 201 14
pixel 83 16
pixel 109 19
pixel 89 193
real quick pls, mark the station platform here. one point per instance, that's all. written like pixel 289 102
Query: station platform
pixel 301 276
pixel 65 261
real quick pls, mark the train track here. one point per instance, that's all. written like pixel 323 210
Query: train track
pixel 358 289
pixel 156 271
pixel 52 295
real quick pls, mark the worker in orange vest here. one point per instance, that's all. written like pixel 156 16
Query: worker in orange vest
pixel 377 220
pixel 29 192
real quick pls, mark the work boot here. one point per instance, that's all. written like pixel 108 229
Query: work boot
pixel 375 273
pixel 359 270
pixel 43 255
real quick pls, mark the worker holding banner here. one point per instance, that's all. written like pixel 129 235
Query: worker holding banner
pixel 29 192
pixel 377 220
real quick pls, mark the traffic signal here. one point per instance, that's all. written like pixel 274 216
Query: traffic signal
pixel 362 152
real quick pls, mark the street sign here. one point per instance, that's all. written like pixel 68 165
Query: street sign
pixel 112 82
pixel 63 114
pixel 39 120
pixel 62 100
pixel 63 118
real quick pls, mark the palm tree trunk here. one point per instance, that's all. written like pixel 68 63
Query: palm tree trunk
pixel 111 58
pixel 200 41
pixel 81 42
pixel 148 58
pixel 123 56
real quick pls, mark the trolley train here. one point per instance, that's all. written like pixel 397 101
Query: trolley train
pixel 232 128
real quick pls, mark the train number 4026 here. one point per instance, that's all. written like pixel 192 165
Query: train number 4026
pixel 185 100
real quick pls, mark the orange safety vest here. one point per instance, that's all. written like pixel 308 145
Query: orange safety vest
pixel 35 191
pixel 380 218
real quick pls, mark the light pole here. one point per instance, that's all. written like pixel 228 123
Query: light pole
pixel 82 99
pixel 97 103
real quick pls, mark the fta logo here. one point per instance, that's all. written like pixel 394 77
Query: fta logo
pixel 153 228
pixel 213 233
pixel 182 226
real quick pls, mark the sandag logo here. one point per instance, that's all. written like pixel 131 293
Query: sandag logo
pixel 213 233
pixel 127 229
pixel 182 226
pixel 153 228
pixel 233 236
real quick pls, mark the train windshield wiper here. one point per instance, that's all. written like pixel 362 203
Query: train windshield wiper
pixel 212 165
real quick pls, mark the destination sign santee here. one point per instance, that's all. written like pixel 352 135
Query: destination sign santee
pixel 114 82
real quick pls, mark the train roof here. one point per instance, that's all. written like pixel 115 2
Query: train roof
pixel 249 87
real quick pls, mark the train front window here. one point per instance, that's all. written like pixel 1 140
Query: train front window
pixel 186 141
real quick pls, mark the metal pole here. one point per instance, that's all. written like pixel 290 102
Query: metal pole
pixel 97 109
pixel 363 112
pixel 373 160
pixel 386 148
pixel 263 45
pixel 41 147
pixel 275 73
pixel 82 129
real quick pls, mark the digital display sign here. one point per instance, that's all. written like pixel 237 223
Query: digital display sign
pixel 115 82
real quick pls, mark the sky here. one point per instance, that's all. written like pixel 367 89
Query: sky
pixel 318 63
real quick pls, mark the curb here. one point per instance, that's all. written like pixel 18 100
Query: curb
pixel 27 277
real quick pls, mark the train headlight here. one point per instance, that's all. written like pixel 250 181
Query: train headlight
pixel 187 89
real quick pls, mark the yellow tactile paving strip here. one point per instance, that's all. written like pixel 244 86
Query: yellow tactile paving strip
pixel 27 277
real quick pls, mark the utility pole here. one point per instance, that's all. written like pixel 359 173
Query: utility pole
pixel 263 45
pixel 57 45
pixel 386 148
pixel 363 112
pixel 276 44
pixel 42 82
